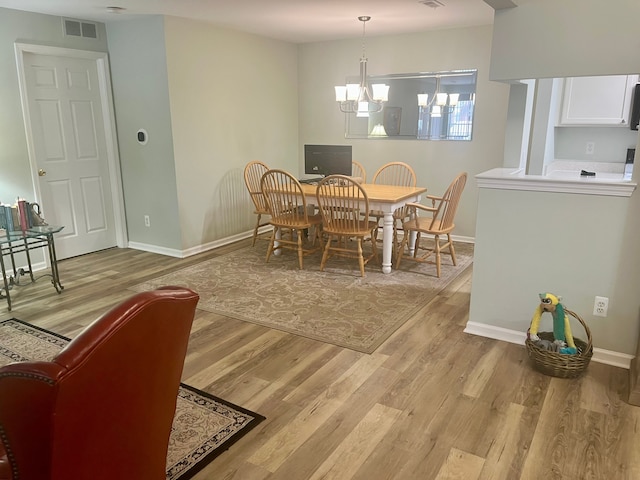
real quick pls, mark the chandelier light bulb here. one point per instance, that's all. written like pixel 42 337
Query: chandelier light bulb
pixel 361 98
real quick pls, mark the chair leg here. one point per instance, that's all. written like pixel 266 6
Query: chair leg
pixel 360 255
pixel 318 235
pixel 255 231
pixel 271 243
pixel 325 254
pixel 300 252
pixel 451 249
pixel 374 247
pixel 400 250
pixel 416 246
pixel 437 251
pixel 394 247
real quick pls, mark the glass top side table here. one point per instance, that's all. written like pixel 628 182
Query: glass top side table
pixel 24 241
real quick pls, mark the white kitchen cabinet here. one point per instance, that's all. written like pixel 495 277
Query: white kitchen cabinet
pixel 597 101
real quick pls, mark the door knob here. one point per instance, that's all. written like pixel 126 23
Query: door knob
pixel 41 172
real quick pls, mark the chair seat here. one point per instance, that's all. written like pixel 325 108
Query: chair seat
pixel 427 225
pixel 363 227
pixel 288 220
pixel 379 213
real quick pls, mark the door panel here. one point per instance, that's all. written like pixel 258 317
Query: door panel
pixel 60 195
pixel 92 195
pixel 68 136
pixel 84 130
pixel 48 113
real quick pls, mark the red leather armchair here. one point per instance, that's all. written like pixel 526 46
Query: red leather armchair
pixel 104 406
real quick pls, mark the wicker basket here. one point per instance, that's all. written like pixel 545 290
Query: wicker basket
pixel 560 364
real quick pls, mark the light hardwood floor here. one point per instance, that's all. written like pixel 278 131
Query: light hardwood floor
pixel 431 403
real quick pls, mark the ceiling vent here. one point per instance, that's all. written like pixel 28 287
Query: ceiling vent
pixel 76 28
pixel 431 3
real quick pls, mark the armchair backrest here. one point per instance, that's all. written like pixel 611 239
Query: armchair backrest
pixel 448 204
pixel 103 407
pixel 253 172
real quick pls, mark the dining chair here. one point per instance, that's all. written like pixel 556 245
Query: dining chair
pixel 253 172
pixel 440 222
pixel 358 171
pixel 342 202
pixel 400 174
pixel 289 215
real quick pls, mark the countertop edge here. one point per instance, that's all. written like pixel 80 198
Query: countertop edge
pixel 515 179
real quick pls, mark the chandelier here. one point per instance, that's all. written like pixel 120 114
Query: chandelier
pixel 360 98
pixel 439 102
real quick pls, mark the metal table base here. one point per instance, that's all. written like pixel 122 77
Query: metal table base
pixel 13 243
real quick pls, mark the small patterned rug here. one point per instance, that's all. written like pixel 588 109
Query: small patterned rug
pixel 203 427
pixel 336 306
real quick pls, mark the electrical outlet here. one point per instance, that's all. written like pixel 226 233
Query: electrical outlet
pixel 147 222
pixel 591 146
pixel 600 306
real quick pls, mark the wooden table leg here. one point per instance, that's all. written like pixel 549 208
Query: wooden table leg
pixel 387 241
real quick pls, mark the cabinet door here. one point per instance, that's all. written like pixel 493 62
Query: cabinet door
pixel 603 100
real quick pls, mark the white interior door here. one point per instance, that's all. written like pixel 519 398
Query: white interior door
pixel 67 129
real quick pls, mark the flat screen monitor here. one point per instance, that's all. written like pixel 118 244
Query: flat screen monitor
pixel 326 160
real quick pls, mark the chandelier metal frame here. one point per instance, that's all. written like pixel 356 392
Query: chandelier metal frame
pixel 360 98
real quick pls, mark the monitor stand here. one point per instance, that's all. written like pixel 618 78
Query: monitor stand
pixel 311 180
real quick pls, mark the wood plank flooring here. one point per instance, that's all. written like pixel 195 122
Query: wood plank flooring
pixel 431 403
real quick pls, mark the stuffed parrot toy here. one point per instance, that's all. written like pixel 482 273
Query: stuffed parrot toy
pixel 561 327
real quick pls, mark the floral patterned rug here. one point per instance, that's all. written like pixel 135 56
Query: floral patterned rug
pixel 203 427
pixel 336 306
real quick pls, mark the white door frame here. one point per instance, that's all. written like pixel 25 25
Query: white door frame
pixel 104 77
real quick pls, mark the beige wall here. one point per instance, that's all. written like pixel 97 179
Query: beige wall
pixel 567 244
pixel 323 65
pixel 568 38
pixel 141 100
pixel 577 246
pixel 211 100
pixel 233 99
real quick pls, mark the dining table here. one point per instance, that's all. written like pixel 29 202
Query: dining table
pixel 385 198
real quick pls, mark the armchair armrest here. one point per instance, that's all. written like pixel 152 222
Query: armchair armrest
pixel 420 206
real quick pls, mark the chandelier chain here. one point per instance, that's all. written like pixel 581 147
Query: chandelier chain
pixel 361 98
pixel 364 19
pixel 364 24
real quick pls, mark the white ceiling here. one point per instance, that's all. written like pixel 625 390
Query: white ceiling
pixel 297 21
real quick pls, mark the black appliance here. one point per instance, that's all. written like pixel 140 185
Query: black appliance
pixel 635 108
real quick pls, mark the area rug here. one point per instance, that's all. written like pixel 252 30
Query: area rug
pixel 336 306
pixel 204 426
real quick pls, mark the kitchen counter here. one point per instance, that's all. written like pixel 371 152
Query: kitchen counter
pixel 611 184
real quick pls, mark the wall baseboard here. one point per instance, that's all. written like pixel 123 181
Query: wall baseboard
pixel 145 247
pixel 600 355
pixel 171 252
